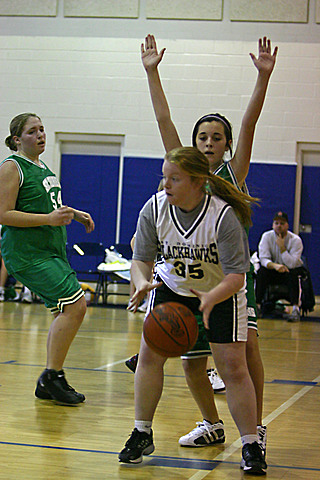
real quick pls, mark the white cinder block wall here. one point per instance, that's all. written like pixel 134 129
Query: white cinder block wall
pixel 97 85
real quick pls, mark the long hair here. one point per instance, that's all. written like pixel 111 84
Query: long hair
pixel 16 127
pixel 196 165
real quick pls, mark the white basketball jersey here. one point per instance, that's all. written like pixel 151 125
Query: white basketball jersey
pixel 189 259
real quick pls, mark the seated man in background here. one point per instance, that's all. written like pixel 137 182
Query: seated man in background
pixel 279 253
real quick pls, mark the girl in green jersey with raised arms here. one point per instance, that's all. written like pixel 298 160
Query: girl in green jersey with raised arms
pixel 212 135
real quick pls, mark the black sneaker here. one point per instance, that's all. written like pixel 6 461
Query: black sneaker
pixel 52 385
pixel 131 363
pixel 252 459
pixel 140 443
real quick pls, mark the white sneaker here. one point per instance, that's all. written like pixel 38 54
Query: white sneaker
pixel 113 262
pixel 16 297
pixel 204 435
pixel 2 299
pixel 262 439
pixel 294 316
pixel 216 382
pixel 26 296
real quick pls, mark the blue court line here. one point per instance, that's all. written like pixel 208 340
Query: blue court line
pixel 295 382
pixel 127 372
pixel 160 461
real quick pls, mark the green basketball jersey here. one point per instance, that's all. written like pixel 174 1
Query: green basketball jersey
pixel 39 192
pixel 226 172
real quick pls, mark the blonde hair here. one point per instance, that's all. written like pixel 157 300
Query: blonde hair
pixel 195 164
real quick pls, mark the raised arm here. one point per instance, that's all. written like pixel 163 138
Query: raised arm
pixel 151 59
pixel 264 64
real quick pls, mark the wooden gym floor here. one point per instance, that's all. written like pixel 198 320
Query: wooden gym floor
pixel 43 441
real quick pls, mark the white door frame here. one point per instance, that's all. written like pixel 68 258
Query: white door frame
pixel 302 149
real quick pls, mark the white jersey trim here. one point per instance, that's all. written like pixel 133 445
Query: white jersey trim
pixel 21 177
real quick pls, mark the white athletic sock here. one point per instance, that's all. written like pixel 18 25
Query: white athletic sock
pixel 143 426
pixel 249 439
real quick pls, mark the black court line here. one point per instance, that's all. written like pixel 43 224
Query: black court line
pixel 160 461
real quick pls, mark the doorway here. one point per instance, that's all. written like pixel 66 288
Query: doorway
pixel 307 205
pixel 91 168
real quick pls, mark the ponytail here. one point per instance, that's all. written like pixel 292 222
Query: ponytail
pixel 196 164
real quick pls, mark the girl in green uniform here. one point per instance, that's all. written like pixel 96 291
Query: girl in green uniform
pixel 34 246
pixel 213 137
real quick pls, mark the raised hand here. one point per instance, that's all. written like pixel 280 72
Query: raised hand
pixel 149 53
pixel 266 61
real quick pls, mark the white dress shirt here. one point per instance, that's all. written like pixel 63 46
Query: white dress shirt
pixel 269 251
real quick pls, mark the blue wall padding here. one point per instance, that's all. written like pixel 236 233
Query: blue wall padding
pixel 90 183
pixel 274 185
pixel 140 181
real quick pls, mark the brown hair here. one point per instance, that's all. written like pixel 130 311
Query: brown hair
pixel 16 127
pixel 196 164
pixel 214 117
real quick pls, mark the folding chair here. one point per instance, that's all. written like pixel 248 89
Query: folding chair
pixel 281 292
pixel 116 268
pixel 272 295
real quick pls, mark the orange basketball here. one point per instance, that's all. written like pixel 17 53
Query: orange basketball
pixel 170 329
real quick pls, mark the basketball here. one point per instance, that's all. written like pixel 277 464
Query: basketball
pixel 170 329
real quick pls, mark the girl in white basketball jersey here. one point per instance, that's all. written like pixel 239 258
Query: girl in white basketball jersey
pixel 212 135
pixel 196 210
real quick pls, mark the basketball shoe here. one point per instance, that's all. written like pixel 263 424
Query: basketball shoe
pixel 216 382
pixel 252 461
pixel 139 444
pixel 52 385
pixel 26 295
pixel 204 435
pixel 262 439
